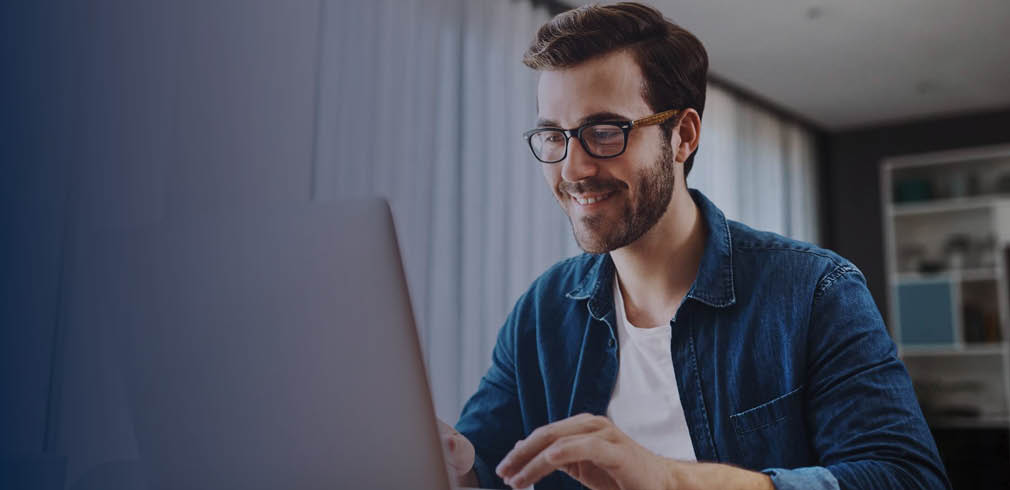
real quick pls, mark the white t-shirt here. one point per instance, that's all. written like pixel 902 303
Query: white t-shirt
pixel 646 402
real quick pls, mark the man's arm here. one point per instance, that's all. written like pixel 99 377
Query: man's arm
pixel 702 476
pixel 592 450
pixel 492 419
pixel 865 421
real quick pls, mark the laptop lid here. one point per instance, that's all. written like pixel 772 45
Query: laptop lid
pixel 275 350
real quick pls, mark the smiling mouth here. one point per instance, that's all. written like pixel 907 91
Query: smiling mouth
pixel 588 200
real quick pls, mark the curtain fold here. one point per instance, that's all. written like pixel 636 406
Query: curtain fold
pixel 760 169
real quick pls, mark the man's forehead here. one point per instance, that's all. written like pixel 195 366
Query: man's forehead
pixel 607 84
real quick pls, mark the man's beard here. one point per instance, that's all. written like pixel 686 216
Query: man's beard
pixel 597 234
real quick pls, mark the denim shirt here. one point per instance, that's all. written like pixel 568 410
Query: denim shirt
pixel 781 356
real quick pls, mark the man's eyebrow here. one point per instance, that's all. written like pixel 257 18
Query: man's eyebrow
pixel 603 116
pixel 594 117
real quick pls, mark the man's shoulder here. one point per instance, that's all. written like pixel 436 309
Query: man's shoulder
pixel 772 249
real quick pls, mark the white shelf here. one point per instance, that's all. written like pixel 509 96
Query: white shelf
pixel 945 205
pixel 979 274
pixel 975 274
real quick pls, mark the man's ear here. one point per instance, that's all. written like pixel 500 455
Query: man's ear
pixel 688 131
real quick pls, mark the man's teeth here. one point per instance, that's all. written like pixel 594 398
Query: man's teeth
pixel 590 200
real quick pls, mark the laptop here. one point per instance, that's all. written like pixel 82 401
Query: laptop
pixel 272 350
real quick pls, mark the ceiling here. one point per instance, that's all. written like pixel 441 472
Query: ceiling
pixel 855 63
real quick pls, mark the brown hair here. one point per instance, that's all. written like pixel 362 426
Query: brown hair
pixel 673 62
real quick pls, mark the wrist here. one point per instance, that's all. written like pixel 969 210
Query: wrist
pixel 683 475
pixel 677 474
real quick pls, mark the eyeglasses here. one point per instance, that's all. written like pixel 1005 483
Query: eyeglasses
pixel 605 139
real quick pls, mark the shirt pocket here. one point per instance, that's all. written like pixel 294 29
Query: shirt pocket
pixel 772 413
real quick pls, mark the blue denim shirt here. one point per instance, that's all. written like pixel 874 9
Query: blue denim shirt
pixel 781 356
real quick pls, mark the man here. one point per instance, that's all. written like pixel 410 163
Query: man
pixel 682 350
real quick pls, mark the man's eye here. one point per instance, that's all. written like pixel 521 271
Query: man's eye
pixel 553 138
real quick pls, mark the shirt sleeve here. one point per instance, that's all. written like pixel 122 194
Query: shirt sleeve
pixel 812 478
pixel 868 429
pixel 492 419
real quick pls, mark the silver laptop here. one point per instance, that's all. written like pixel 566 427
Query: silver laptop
pixel 273 350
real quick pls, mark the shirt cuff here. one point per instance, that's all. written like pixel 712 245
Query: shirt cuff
pixel 810 478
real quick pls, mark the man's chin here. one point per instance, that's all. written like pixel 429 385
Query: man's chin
pixel 592 242
pixel 593 249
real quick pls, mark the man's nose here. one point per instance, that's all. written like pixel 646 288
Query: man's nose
pixel 578 164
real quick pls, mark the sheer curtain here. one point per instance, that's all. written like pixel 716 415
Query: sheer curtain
pixel 758 168
pixel 427 111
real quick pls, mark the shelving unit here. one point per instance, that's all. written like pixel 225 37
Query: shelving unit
pixel 946 219
pixel 944 205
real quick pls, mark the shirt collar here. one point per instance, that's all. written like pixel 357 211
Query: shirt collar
pixel 713 286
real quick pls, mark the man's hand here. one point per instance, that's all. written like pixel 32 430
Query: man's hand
pixel 596 453
pixel 459 455
pixel 590 449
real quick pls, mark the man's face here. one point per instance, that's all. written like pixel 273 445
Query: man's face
pixel 610 202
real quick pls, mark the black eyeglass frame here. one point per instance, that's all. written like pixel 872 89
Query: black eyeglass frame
pixel 625 126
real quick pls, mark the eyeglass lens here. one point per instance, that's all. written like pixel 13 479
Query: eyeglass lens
pixel 600 140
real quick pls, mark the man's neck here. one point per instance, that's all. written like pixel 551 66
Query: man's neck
pixel 657 270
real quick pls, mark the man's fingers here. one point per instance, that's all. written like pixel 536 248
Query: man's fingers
pixel 455 446
pixel 544 463
pixel 444 428
pixel 596 450
pixel 455 456
pixel 528 448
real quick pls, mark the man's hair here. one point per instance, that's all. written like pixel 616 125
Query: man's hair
pixel 673 62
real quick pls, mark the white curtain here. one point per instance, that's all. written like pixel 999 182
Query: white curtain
pixel 428 112
pixel 758 168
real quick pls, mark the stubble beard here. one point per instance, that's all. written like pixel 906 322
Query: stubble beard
pixel 598 234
